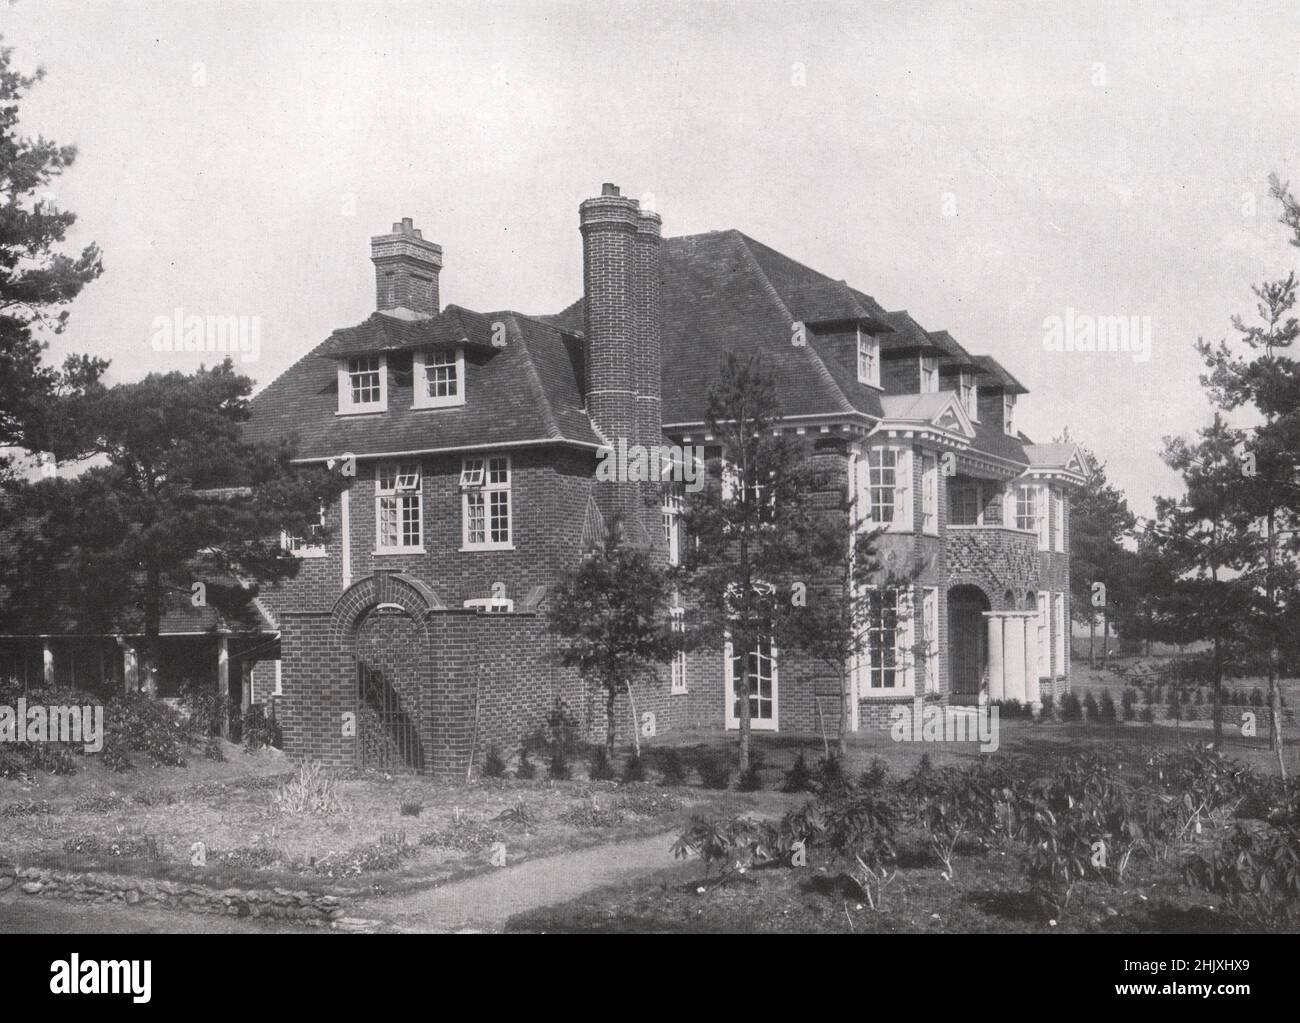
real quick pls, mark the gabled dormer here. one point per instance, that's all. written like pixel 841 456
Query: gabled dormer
pixel 998 395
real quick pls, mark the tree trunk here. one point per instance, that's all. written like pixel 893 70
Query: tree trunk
pixel 148 664
pixel 611 726
pixel 1092 640
pixel 1105 637
pixel 1274 690
pixel 846 711
pixel 1217 696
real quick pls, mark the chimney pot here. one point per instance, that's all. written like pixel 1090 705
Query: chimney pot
pixel 609 189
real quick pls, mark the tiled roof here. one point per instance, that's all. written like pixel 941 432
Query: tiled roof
pixel 526 392
pixel 1001 377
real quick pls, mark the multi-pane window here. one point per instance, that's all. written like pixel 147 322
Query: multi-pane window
pixel 678 616
pixel 1008 413
pixel 929 494
pixel 1044 636
pixel 868 359
pixel 398 517
pixel 485 486
pixel 674 500
pixel 882 484
pixel 930 635
pixel 439 378
pixel 964 504
pixel 309 546
pixel 362 384
pixel 968 393
pixel 929 374
pixel 1027 509
pixel 886 633
pixel 760 662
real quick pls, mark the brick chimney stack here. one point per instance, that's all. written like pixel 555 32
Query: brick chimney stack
pixel 406 272
pixel 620 271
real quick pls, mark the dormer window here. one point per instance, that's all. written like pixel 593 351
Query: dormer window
pixel 1008 413
pixel 439 378
pixel 868 360
pixel 968 394
pixel 363 385
pixel 929 374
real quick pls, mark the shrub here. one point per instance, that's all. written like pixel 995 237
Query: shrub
pixel 1071 709
pixel 1128 701
pixel 1174 708
pixel 212 750
pixel 1257 697
pixel 1147 716
pixel 1010 708
pixel 671 768
pixel 751 780
pixel 1106 709
pixel 558 769
pixel 410 808
pixel 1048 711
pixel 521 815
pixel 493 764
pixel 526 769
pixel 798 778
pixel 649 804
pixel 829 780
pixel 1089 708
pixel 633 770
pixel 874 776
pixel 590 814
pixel 260 730
pixel 601 768
pixel 951 805
pixel 311 790
pixel 714 774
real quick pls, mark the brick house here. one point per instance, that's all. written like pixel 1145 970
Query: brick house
pixel 415 631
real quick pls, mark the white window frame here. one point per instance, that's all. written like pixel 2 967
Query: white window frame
pixel 1058 640
pixel 901 487
pixel 968 393
pixel 420 365
pixel 930 636
pixel 297 546
pixel 929 374
pixel 1035 505
pixel 868 359
pixel 478 487
pixel 677 619
pixel 904 668
pixel 1044 634
pixel 1009 413
pixel 756 724
pixel 490 605
pixel 348 407
pixel 929 493
pixel 674 499
pixel 279 677
pixel 408 482
pixel 1058 521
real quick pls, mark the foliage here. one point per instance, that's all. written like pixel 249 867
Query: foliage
pixel 260 730
pixel 633 770
pixel 798 778
pixel 311 790
pixel 671 768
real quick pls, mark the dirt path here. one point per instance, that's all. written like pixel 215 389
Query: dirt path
pixel 485 902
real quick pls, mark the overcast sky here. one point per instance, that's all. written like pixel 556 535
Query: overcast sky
pixel 985 167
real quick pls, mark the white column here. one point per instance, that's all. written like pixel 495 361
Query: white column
pixel 47 661
pixel 1014 657
pixel 1032 694
pixel 995 657
pixel 345 527
pixel 223 683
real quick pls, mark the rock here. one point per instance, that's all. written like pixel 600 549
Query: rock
pixel 7 882
pixel 132 897
pixel 33 887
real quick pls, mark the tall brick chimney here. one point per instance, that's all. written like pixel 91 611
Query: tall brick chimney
pixel 620 272
pixel 406 272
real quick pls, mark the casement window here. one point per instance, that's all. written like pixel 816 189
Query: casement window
pixel 363 385
pixel 1030 512
pixel 1044 635
pixel 1058 521
pixel 678 618
pixel 491 605
pixel 438 378
pixel 885 487
pixel 674 500
pixel 868 360
pixel 968 394
pixel 929 374
pixel 1009 414
pixel 930 494
pixel 1058 640
pixel 975 504
pixel 930 637
pixel 889 641
pixel 311 545
pixel 398 508
pixel 485 503
pixel 761 663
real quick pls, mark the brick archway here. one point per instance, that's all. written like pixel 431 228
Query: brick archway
pixel 383 589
